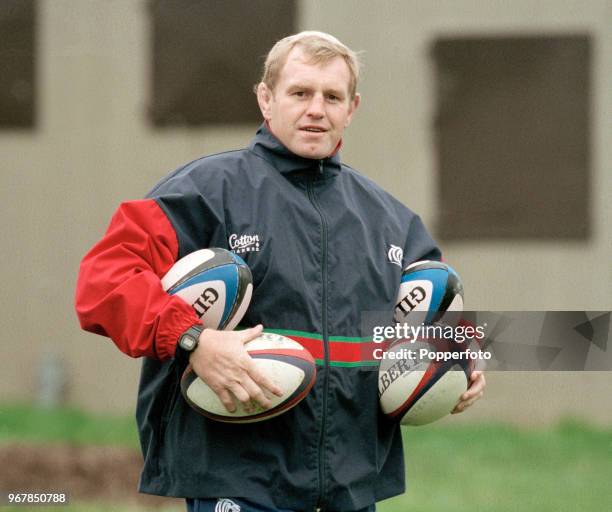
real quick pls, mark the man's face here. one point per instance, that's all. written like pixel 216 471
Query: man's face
pixel 310 106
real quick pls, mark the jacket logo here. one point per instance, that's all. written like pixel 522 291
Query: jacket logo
pixel 395 255
pixel 244 243
pixel 226 505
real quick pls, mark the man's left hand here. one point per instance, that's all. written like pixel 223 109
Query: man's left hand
pixel 474 392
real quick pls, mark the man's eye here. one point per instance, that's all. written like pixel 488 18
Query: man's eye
pixel 299 94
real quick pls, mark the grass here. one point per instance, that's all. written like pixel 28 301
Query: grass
pixel 39 425
pixel 496 467
pixel 461 468
pixel 89 507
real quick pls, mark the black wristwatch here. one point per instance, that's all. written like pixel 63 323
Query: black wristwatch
pixel 190 338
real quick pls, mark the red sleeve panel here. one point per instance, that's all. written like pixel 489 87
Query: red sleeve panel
pixel 119 293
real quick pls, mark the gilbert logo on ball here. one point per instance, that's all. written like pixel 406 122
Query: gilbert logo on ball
pixel 215 282
pixel 428 290
pixel 422 387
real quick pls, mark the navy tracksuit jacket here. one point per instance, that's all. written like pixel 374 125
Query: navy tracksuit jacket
pixel 324 244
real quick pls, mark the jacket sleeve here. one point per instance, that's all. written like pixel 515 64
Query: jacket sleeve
pixel 419 244
pixel 119 292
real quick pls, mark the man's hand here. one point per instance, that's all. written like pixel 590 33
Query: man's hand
pixel 474 392
pixel 221 361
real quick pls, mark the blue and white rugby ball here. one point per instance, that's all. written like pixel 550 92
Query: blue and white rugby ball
pixel 428 290
pixel 215 282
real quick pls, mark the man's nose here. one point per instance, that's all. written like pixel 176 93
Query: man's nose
pixel 316 106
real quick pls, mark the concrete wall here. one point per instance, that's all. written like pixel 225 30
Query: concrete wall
pixel 94 148
pixel 396 120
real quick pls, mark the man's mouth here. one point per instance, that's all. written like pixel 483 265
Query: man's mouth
pixel 313 129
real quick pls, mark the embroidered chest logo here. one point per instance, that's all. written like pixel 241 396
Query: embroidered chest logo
pixel 244 243
pixel 395 255
pixel 226 505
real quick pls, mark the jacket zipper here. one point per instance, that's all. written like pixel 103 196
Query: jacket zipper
pixel 313 200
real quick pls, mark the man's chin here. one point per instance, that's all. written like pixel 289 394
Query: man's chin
pixel 314 153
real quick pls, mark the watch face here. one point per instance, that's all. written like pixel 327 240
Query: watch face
pixel 188 343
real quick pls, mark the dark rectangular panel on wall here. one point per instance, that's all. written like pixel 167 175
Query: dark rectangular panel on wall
pixel 512 137
pixel 208 54
pixel 17 63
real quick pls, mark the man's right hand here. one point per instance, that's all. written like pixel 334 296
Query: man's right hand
pixel 222 362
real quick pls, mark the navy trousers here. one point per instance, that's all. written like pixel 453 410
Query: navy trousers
pixel 239 505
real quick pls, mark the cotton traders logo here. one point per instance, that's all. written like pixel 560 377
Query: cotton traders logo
pixel 244 243
pixel 395 255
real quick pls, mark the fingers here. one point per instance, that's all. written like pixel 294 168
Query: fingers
pixel 477 386
pixel 251 333
pixel 242 394
pixel 222 361
pixel 263 381
pixel 464 404
pixel 257 379
pixel 475 392
pixel 226 399
pixel 255 394
pixel 238 393
pixel 247 393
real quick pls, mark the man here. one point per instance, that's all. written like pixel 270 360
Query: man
pixel 324 231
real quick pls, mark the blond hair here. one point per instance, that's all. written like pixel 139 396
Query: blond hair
pixel 319 47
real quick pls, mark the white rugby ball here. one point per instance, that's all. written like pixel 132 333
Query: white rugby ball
pixel 215 282
pixel 419 391
pixel 285 361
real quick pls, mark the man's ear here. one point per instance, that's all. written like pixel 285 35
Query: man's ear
pixel 264 99
pixel 354 104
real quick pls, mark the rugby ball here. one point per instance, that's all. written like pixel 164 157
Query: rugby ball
pixel 428 291
pixel 216 283
pixel 282 359
pixel 416 384
pixel 425 387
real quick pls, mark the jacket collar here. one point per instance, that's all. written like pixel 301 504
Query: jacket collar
pixel 271 149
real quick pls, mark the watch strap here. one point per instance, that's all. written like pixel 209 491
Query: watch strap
pixel 188 340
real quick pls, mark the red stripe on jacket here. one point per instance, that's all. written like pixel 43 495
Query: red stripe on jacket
pixel 119 293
